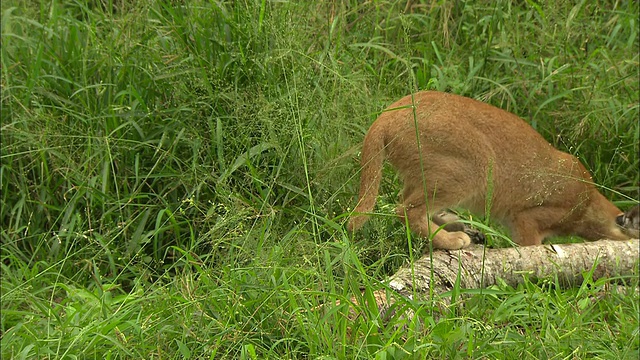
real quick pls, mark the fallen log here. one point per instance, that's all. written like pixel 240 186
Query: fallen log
pixel 476 267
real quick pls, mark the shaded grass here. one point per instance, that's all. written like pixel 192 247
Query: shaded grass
pixel 175 175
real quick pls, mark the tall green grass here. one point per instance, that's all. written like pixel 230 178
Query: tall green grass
pixel 175 175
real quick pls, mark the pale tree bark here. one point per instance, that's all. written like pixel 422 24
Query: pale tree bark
pixel 479 268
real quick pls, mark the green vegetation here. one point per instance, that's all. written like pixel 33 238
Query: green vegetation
pixel 175 174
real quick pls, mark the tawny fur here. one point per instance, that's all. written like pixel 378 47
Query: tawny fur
pixel 468 150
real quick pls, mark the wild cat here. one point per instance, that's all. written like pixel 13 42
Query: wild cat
pixel 473 155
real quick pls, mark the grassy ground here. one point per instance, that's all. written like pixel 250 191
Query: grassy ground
pixel 175 175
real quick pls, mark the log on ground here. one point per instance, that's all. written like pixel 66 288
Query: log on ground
pixel 478 267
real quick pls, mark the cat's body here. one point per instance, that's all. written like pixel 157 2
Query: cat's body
pixel 468 151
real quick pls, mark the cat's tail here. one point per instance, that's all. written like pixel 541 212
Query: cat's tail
pixel 372 158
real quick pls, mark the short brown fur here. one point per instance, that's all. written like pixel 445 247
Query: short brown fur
pixel 467 150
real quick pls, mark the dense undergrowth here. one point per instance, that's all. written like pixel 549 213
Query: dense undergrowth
pixel 175 174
